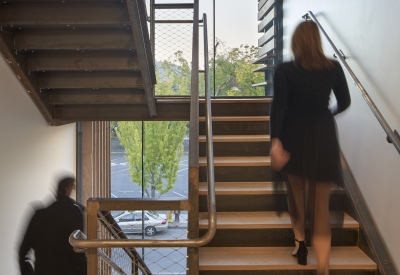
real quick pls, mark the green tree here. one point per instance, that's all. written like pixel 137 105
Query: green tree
pixel 234 74
pixel 163 140
pixel 173 76
pixel 163 149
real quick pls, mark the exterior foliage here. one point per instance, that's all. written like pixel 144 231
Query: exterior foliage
pixel 163 140
pixel 163 149
pixel 234 72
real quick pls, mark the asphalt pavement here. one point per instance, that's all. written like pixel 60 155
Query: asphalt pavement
pixel 123 187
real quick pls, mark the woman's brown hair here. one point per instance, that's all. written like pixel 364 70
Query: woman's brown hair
pixel 307 47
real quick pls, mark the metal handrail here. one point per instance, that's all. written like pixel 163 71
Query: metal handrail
pixel 103 255
pixel 76 239
pixel 108 220
pixel 392 136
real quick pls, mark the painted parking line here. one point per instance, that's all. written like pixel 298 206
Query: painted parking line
pixel 112 195
pixel 179 194
pixel 183 169
pixel 119 171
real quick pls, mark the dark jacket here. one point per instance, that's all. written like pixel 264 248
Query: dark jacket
pixel 47 234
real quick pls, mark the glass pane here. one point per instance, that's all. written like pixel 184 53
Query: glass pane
pixel 165 159
pixel 126 159
pixel 162 171
pixel 236 49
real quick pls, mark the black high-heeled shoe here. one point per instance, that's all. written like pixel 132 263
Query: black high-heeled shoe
pixel 302 253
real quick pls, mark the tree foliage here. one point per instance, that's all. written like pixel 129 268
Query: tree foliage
pixel 163 149
pixel 173 76
pixel 163 140
pixel 233 71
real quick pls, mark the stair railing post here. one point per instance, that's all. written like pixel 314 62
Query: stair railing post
pixel 193 217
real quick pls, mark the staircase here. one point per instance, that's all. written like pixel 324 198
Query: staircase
pixel 81 60
pixel 251 238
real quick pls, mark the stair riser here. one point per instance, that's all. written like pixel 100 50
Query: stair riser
pixel 247 203
pixel 237 109
pixel 274 237
pixel 238 173
pixel 237 128
pixel 225 149
pixel 285 272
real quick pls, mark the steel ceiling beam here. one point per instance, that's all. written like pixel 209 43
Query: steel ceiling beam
pixel 77 40
pixel 137 13
pixel 94 79
pixel 78 60
pixel 97 96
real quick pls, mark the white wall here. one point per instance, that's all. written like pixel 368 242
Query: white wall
pixel 366 31
pixel 32 154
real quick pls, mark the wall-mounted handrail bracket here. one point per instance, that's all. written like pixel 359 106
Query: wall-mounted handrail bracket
pixel 343 56
pixel 396 134
pixel 306 17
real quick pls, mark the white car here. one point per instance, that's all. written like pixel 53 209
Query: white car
pixel 131 222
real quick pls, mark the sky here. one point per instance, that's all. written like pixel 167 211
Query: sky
pixel 236 20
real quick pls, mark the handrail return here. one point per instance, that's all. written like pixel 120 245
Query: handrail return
pixel 392 136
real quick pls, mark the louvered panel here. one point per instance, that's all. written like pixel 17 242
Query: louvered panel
pixel 265 9
pixel 264 68
pixel 265 58
pixel 267 21
pixel 267 47
pixel 261 3
pixel 266 83
pixel 266 37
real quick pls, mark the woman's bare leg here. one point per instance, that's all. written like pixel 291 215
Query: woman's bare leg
pixel 297 185
pixel 322 227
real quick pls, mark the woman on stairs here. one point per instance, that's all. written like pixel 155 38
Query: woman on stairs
pixel 304 145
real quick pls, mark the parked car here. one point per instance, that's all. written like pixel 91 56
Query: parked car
pixel 131 222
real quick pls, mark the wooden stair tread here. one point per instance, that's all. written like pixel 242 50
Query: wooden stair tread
pixel 250 188
pixel 237 138
pixel 279 258
pixel 238 161
pixel 244 188
pixel 236 118
pixel 262 219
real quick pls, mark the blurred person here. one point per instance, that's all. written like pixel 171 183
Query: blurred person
pixel 304 144
pixel 48 236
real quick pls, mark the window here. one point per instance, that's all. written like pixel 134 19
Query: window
pixel 127 218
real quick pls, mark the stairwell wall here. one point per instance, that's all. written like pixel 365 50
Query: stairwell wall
pixel 32 157
pixel 366 32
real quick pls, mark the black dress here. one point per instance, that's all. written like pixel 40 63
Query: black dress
pixel 302 120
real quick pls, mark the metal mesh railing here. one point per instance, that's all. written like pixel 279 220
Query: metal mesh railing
pixel 156 225
pixel 113 260
pixel 173 50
